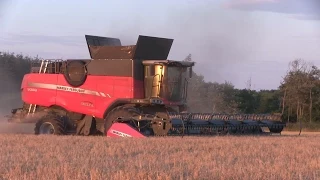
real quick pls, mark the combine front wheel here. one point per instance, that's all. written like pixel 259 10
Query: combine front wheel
pixel 50 125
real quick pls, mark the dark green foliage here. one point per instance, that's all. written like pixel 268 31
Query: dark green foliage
pixel 264 101
pixel 300 92
pixel 12 69
pixel 224 98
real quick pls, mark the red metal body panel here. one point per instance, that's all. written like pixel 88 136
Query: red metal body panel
pixel 84 102
pixel 92 98
pixel 39 96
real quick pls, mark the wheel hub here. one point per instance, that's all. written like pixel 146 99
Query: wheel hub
pixel 46 128
pixel 162 124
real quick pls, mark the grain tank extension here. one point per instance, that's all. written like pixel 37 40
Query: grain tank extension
pixel 126 91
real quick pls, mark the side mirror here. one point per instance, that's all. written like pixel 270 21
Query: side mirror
pixel 190 72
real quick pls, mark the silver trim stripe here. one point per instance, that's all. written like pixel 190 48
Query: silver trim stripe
pixel 68 89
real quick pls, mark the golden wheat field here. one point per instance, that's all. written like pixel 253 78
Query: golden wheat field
pixel 25 156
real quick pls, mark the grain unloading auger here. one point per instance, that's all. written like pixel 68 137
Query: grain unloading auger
pixel 126 91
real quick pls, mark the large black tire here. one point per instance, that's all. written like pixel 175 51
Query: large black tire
pixel 120 111
pixel 55 125
pixel 275 130
pixel 75 73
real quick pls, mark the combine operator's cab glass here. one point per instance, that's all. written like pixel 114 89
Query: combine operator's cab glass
pixel 153 77
pixel 168 82
pixel 176 82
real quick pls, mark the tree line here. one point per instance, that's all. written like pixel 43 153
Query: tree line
pixel 297 98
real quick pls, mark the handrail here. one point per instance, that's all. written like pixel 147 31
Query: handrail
pixel 46 65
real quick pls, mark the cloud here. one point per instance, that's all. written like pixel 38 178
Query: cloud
pixel 239 3
pixel 306 17
pixel 299 9
pixel 46 46
pixel 3 5
pixel 227 45
pixel 12 38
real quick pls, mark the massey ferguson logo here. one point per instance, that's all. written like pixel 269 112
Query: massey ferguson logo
pixel 64 88
pixel 121 134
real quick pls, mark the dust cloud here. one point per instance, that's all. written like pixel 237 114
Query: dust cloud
pixel 9 101
pixel 10 98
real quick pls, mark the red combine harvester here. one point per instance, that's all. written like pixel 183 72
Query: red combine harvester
pixel 126 91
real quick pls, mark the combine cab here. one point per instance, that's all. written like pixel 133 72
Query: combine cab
pixel 123 91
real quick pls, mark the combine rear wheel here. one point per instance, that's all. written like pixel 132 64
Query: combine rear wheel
pixel 51 125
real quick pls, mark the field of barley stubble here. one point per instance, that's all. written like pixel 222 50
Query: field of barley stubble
pixel 26 156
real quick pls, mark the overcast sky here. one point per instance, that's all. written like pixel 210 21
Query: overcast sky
pixel 231 40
